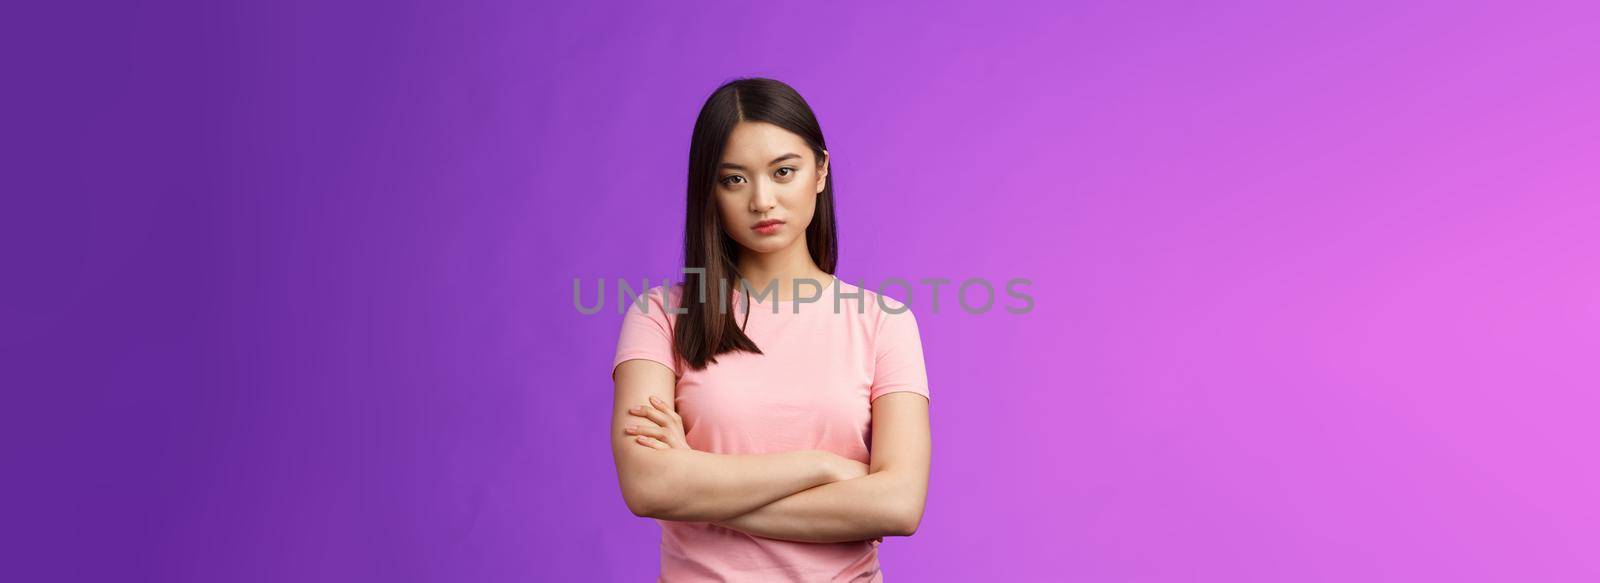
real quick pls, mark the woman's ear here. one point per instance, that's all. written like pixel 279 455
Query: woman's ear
pixel 822 172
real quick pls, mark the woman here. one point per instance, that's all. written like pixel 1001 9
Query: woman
pixel 775 434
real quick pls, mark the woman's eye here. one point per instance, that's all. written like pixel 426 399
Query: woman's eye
pixel 784 169
pixel 729 180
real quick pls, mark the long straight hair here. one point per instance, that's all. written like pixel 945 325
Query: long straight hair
pixel 707 327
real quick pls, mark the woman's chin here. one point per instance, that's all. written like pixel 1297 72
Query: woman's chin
pixel 766 245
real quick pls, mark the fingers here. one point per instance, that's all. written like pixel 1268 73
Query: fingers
pixel 662 405
pixel 652 442
pixel 656 432
pixel 667 424
pixel 652 413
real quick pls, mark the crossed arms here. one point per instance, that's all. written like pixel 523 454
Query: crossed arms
pixel 806 496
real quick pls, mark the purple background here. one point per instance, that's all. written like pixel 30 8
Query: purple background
pixel 288 286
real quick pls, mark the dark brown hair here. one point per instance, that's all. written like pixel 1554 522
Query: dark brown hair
pixel 707 328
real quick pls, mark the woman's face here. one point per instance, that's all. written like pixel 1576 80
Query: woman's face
pixel 767 186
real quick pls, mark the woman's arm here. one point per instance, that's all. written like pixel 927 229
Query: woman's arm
pixel 687 485
pixel 887 502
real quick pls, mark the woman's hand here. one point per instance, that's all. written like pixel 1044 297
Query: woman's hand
pixel 666 431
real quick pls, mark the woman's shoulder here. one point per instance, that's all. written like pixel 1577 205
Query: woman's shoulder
pixel 873 303
pixel 664 290
pixel 884 320
pixel 658 300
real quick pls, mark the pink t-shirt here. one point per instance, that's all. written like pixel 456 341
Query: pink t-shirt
pixel 811 389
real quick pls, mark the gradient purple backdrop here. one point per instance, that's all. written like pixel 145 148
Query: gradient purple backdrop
pixel 288 285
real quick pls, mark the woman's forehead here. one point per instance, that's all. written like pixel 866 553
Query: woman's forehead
pixel 760 143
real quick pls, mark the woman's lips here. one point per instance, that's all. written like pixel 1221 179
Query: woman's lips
pixel 767 227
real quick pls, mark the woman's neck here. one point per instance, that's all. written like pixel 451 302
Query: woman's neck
pixel 784 267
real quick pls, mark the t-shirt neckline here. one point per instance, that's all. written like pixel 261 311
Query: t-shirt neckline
pixel 832 283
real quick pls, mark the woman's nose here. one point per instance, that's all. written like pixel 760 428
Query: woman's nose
pixel 762 200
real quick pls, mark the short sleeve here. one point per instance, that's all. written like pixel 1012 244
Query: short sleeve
pixel 647 332
pixel 898 347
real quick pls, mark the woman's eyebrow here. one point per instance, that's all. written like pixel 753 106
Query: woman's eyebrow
pixel 774 161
